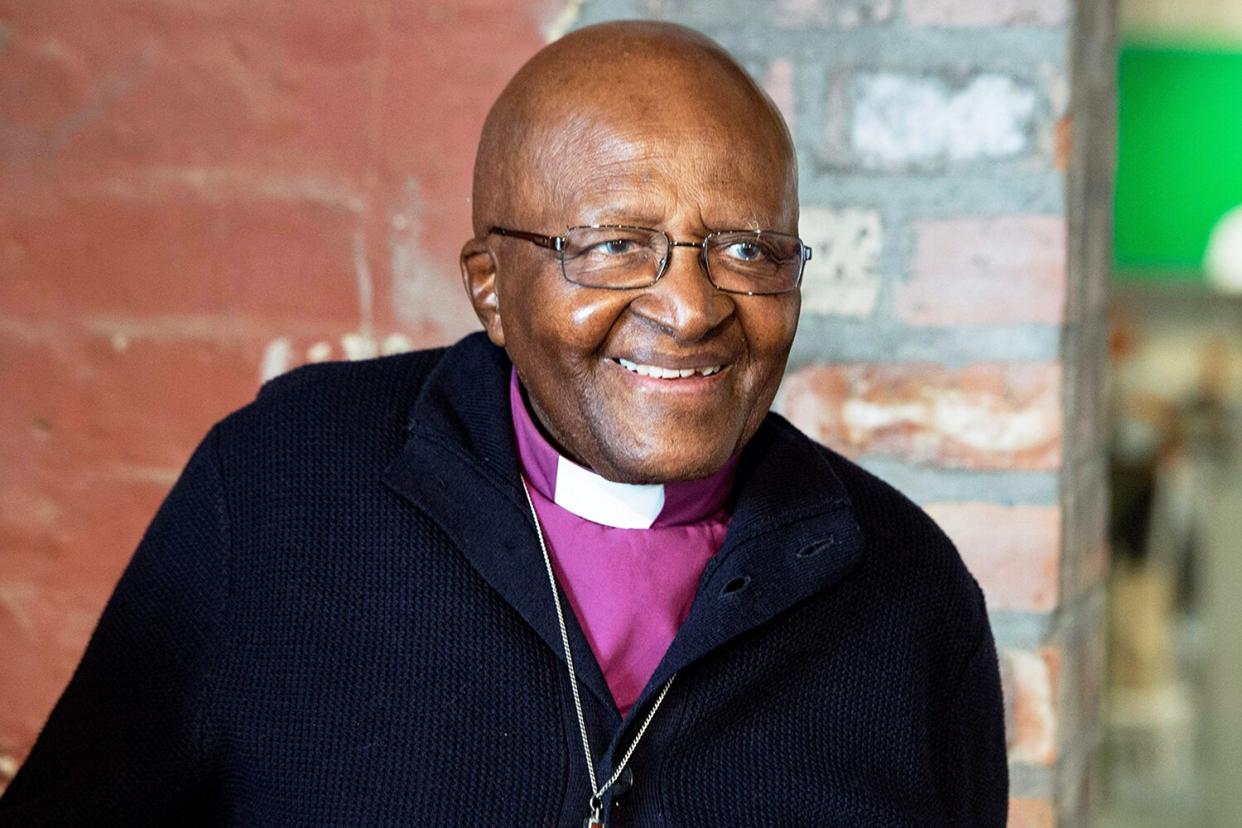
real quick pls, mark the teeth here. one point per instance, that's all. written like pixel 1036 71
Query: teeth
pixel 667 373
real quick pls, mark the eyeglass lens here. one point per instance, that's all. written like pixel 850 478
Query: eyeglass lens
pixel 632 257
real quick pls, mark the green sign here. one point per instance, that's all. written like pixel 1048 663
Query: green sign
pixel 1179 163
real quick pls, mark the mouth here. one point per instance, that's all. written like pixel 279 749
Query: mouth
pixel 663 373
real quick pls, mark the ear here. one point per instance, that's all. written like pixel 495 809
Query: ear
pixel 478 276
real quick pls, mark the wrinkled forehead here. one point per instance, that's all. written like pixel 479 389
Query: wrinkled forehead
pixel 620 164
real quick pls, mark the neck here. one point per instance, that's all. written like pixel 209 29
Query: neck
pixel 579 490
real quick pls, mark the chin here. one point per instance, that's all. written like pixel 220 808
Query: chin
pixel 652 454
pixel 663 468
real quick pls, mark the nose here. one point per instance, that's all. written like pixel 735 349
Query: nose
pixel 684 302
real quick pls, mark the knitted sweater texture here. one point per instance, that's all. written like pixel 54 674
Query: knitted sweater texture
pixel 339 616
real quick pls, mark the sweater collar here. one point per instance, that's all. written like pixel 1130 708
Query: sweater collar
pixel 792 529
pixel 781 475
pixel 595 498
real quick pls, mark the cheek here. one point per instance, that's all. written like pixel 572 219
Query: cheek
pixel 769 325
pixel 541 311
pixel 576 321
pixel 591 317
pixel 770 331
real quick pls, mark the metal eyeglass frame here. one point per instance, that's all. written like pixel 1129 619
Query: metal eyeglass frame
pixel 557 243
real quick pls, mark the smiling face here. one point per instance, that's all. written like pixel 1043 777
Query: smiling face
pixel 664 382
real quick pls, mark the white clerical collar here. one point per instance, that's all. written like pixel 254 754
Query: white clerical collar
pixel 582 492
pixel 594 498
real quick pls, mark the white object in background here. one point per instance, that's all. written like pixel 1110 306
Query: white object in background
pixel 1223 260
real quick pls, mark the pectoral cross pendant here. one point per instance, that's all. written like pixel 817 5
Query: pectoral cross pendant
pixel 596 817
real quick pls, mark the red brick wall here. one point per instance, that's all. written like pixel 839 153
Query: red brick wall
pixel 194 196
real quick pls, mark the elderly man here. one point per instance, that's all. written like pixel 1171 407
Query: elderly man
pixel 568 570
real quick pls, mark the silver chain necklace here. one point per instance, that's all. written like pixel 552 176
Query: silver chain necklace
pixel 595 817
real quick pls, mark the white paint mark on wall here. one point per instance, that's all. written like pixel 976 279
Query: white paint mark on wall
pixel 396 343
pixel 1057 84
pixel 843 13
pixel 778 82
pixel 843 276
pixel 30 331
pixel 1034 707
pixel 564 20
pixel 168 327
pixel 17 601
pixel 358 345
pixel 319 352
pixel 423 294
pixel 362 277
pixel 280 354
pixel 143 474
pixel 226 183
pixel 902 120
pixel 275 359
pixel 973 420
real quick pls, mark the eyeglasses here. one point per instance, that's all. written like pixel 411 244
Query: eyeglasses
pixel 620 257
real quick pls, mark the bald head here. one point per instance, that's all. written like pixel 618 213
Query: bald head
pixel 608 84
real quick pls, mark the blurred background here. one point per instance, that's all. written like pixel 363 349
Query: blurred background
pixel 1172 741
pixel 198 196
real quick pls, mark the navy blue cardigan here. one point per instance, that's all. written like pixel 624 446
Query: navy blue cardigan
pixel 339 616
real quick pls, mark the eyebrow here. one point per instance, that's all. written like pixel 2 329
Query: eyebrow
pixel 638 212
pixel 625 214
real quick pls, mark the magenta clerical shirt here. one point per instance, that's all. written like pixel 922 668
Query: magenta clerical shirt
pixel 627 556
